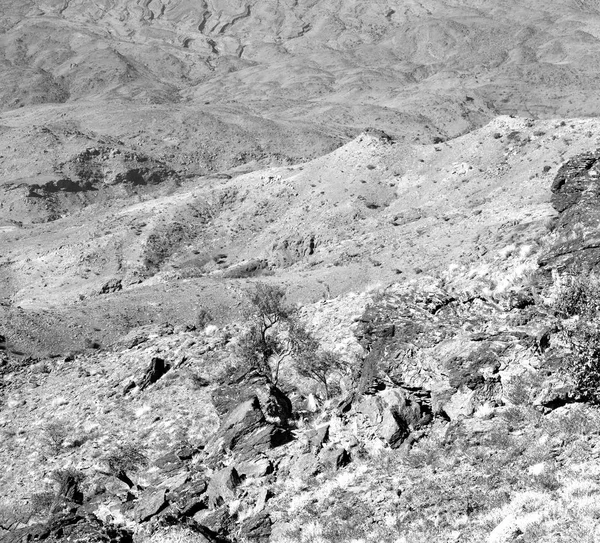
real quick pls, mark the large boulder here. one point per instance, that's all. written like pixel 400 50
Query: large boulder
pixel 217 521
pixel 371 407
pixel 258 467
pixel 334 457
pixel 318 437
pixel 303 466
pixel 393 428
pixel 393 413
pixel 260 441
pixel 150 503
pixel 256 529
pixel 242 421
pixel 169 462
pixel 245 431
pixel 243 385
pixel 222 487
pixel 189 498
pixel 460 404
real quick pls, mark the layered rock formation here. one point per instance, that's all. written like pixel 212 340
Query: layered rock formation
pixel 576 231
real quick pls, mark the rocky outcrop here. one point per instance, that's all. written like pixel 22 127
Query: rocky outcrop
pixel 113 285
pixel 288 251
pixel 155 370
pixel 97 166
pixel 433 349
pixel 248 268
pixel 150 502
pixel 575 240
pixel 256 529
pixel 246 431
pixel 394 428
pixel 334 457
pixel 257 423
pixel 222 487
pixel 244 384
pixel 73 527
pixel 93 175
pixel 189 498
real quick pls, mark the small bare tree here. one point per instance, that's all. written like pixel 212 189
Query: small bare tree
pixel 320 366
pixel 54 435
pixel 125 459
pixel 275 334
pixel 311 360
pixel 265 345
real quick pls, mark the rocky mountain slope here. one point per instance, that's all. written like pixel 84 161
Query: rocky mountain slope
pixel 130 131
pixel 454 416
pixel 373 211
pixel 419 177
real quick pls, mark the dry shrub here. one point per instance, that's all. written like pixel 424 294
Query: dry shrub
pixel 579 303
pixel 54 435
pixel 126 458
pixel 41 502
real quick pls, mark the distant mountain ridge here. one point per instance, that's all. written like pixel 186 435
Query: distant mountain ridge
pixel 456 63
